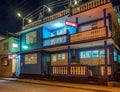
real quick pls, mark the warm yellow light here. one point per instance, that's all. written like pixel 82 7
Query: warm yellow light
pixel 29 20
pixel 19 15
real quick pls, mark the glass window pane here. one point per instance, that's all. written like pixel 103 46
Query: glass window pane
pixel 95 54
pixel 54 58
pixel 102 54
pixel 82 54
pixel 63 56
pixel 88 54
pixel 59 57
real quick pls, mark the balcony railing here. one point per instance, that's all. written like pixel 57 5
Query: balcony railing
pixel 59 70
pixel 47 19
pixel 80 70
pixel 61 39
pixel 90 35
pixel 83 7
pixel 89 5
pixel 57 15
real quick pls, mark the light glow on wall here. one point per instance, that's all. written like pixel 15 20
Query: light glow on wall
pixel 58 24
pixel 15 45
pixel 25 47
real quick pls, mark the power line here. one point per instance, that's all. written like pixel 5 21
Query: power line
pixel 54 5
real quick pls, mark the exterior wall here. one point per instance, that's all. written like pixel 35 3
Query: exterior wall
pixel 31 68
pixel 32 46
pixel 59 62
pixel 17 42
pixel 5 70
pixel 9 50
pixel 92 25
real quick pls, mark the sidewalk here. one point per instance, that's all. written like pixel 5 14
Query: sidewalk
pixel 67 85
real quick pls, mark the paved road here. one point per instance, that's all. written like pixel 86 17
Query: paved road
pixel 12 86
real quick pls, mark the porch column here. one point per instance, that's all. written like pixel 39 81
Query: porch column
pixel 110 22
pixel 69 60
pixel 105 22
pixel 106 59
pixel 112 60
pixel 42 63
pixel 77 28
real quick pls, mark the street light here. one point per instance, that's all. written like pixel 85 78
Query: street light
pixel 48 8
pixel 23 18
pixel 75 2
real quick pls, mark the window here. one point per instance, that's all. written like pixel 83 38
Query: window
pixel 82 54
pixel 63 56
pixel 54 58
pixel 31 37
pixel 102 54
pixel 115 55
pixel 6 46
pixel 31 58
pixel 59 57
pixel 4 61
pixel 95 54
pixel 88 54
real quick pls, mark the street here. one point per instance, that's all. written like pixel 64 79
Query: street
pixel 13 86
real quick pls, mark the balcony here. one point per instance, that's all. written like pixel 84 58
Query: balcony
pixel 83 7
pixel 89 5
pixel 90 35
pixel 47 19
pixel 61 39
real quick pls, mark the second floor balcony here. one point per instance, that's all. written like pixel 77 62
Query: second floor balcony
pixel 85 36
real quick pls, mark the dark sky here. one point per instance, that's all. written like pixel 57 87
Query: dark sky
pixel 8 9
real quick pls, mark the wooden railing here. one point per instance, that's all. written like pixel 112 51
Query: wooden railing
pixel 62 39
pixel 47 19
pixel 57 15
pixel 89 5
pixel 78 70
pixel 102 70
pixel 89 35
pixel 60 70
pixel 83 7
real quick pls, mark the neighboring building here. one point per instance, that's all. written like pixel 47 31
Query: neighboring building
pixel 80 42
pixel 9 57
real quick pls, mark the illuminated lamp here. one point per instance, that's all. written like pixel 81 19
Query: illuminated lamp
pixel 68 23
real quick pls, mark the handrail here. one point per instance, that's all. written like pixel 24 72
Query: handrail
pixel 88 5
pixel 83 7
pixel 47 19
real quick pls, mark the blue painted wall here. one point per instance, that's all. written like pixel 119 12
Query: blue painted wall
pixel 46 33
pixel 34 45
pixel 31 68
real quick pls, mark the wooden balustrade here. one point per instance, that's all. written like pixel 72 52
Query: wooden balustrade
pixel 60 70
pixel 78 70
pixel 33 24
pixel 57 15
pixel 75 10
pixel 89 5
pixel 89 35
pixel 74 70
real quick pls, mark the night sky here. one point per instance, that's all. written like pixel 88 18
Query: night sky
pixel 8 9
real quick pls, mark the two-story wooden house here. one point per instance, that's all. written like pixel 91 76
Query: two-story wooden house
pixel 9 57
pixel 80 42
